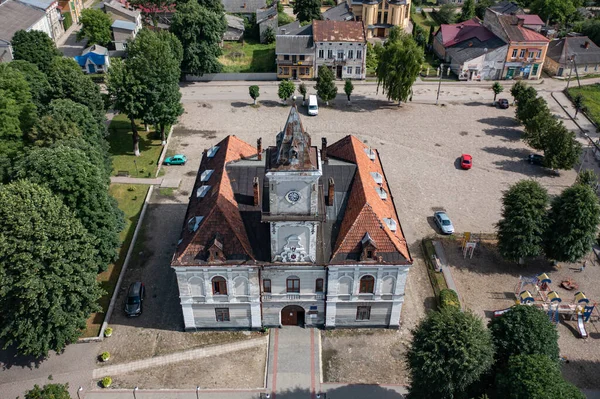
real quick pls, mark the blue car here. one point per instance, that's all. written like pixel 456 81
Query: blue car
pixel 178 159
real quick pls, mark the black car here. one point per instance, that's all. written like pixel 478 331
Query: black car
pixel 536 159
pixel 135 298
pixel 503 103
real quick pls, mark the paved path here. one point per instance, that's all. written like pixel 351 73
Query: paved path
pixel 178 357
pixel 439 251
pixel 135 180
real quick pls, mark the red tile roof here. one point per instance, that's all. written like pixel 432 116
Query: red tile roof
pixel 338 31
pixel 218 207
pixel 366 209
pixel 531 19
pixel 516 33
pixel 458 33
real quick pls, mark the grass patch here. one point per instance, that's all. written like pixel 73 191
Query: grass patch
pixel 248 56
pixel 438 282
pixel 591 99
pixel 166 192
pixel 426 22
pixel 121 148
pixel 130 199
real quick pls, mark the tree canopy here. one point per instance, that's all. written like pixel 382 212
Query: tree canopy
pixel 561 150
pixel 467 11
pixel 574 218
pixel 450 351
pixel 554 10
pixel 15 87
pixel 36 47
pixel 325 87
pixel 38 82
pixel 591 29
pixel 153 8
pixel 524 220
pixel 446 14
pixel 49 391
pixel 286 89
pixel 95 27
pixel 307 10
pixel 48 267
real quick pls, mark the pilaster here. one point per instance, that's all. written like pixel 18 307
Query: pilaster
pixel 188 316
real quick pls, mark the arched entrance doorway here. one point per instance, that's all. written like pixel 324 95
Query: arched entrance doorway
pixel 292 315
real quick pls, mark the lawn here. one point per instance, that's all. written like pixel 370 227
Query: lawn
pixel 248 56
pixel 591 99
pixel 121 148
pixel 130 199
pixel 424 22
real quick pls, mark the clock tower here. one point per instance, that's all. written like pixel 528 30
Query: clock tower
pixel 294 201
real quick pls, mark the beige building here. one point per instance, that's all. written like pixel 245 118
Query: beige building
pixel 379 16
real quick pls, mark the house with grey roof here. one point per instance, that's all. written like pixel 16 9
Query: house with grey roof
pixel 126 23
pixel 267 18
pixel 244 7
pixel 295 51
pixel 341 12
pixel 15 16
pixel 53 15
pixel 507 8
pixel 572 55
pixel 235 28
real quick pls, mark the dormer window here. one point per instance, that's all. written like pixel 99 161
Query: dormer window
pixel 206 174
pixel 194 223
pixel 214 250
pixel 391 224
pixel 212 151
pixel 377 177
pixel 370 153
pixel 201 191
pixel 369 248
pixel 381 192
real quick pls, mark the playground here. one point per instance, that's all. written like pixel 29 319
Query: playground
pixel 487 284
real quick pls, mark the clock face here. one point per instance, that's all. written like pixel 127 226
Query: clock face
pixel 293 196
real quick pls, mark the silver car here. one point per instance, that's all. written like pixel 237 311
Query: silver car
pixel 443 222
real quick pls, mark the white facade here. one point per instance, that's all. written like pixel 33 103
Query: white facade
pixel 347 59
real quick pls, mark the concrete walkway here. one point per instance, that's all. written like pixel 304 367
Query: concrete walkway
pixel 439 251
pixel 135 180
pixel 178 357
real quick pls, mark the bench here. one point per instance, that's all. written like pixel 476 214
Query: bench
pixel 123 173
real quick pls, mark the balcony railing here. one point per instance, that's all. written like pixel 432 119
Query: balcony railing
pixel 293 297
pixel 305 62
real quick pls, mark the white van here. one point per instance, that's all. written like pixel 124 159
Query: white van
pixel 313 107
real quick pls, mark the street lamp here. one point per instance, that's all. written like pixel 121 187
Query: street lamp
pixel 440 83
pixel 197 390
pixel 134 390
pixel 79 390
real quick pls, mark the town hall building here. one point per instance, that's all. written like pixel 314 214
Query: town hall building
pixel 291 235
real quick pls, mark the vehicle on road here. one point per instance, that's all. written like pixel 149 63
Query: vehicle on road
pixel 536 159
pixel 466 161
pixel 135 299
pixel 443 222
pixel 178 159
pixel 503 103
pixel 313 106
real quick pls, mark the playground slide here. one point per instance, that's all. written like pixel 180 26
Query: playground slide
pixel 581 326
pixel 498 313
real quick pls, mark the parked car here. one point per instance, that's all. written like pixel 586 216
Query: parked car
pixel 135 299
pixel 443 222
pixel 503 103
pixel 536 159
pixel 466 161
pixel 313 105
pixel 178 159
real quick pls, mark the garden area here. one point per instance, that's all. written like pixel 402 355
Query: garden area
pixel 248 56
pixel 121 149
pixel 591 100
pixel 130 199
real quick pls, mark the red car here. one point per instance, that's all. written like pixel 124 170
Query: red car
pixel 466 161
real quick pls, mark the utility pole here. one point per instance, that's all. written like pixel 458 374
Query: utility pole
pixel 570 72
pixel 440 83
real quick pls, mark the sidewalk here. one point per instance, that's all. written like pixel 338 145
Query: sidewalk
pixel 135 180
pixel 439 251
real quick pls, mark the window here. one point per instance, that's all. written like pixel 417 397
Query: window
pixel 349 70
pixel 294 58
pixel 367 285
pixel 340 54
pixel 359 54
pixel 206 174
pixel 329 53
pixel 267 285
pixel 363 312
pixel 321 53
pixel 539 54
pixel 522 54
pixel 194 223
pixel 301 57
pixel 350 54
pixel 385 15
pixel 585 68
pixel 357 71
pixel 222 314
pixel 319 285
pixel 219 286
pixel 212 151
pixel 293 284
pixel 535 69
pixel 514 53
pixel 201 191
pixel 286 57
pixel 286 71
pixel 531 54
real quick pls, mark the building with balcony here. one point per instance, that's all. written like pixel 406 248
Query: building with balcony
pixel 291 235
pixel 294 51
pixel 342 47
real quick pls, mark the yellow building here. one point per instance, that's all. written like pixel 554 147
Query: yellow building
pixel 295 51
pixel 379 16
pixel 72 8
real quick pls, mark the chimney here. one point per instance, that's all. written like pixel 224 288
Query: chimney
pixel 330 192
pixel 586 45
pixel 255 190
pixel 324 150
pixel 259 148
pixel 520 21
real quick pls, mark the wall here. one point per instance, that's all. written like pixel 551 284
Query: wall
pixel 348 62
pixel 5 51
pixel 209 77
pixel 263 26
pixel 43 25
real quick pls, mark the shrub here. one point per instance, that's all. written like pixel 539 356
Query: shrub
pixel 105 356
pixel 449 299
pixel 108 332
pixel 106 382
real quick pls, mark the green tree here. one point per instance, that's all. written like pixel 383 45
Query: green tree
pixel 38 83
pixel 450 350
pixel 302 89
pixel 558 11
pixel 524 330
pixel 15 86
pixel 325 87
pixel 49 130
pixel 446 14
pixel 200 31
pixel 83 187
pixel 399 65
pixel 431 35
pixel 269 35
pixel 561 149
pixel 574 218
pixel 307 10
pixel 481 6
pixel 587 177
pixel 212 5
pixel 578 104
pixel 95 27
pixel 48 265
pixel 372 56
pixel 518 90
pixel 591 29
pixel 348 88
pixel 524 220
pixel 254 92
pixel 537 119
pixel 152 9
pixel 36 47
pixel 534 376
pixel 286 89
pixel 127 93
pixel 497 88
pixel 49 391
pixel 468 11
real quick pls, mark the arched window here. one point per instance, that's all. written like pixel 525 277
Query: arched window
pixel 367 285
pixel 319 285
pixel 293 284
pixel 196 286
pixel 387 285
pixel 219 286
pixel 345 285
pixel 240 286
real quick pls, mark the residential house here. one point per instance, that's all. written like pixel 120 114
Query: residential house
pixel 291 235
pixel 341 46
pixel 526 48
pixel 267 18
pixel 70 11
pixel 53 15
pixel 507 8
pixel 94 59
pixel 572 55
pixel 295 51
pixel 472 51
pixel 15 16
pixel 244 7
pixel 341 12
pixel 379 16
pixel 531 21
pixel 235 28
pixel 126 23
